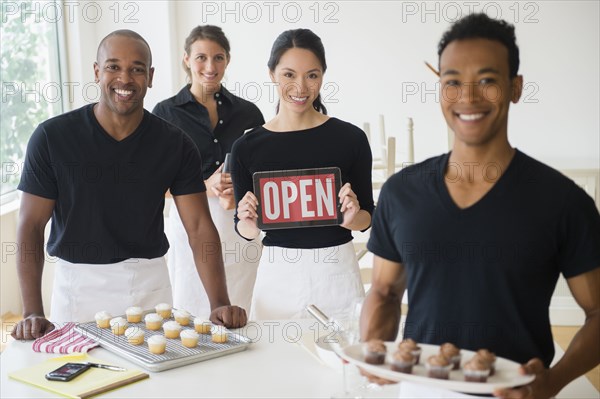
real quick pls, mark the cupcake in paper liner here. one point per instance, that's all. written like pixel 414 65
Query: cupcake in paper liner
pixel 103 319
pixel 157 344
pixel 403 361
pixel 410 345
pixel 118 325
pixel 476 370
pixel 153 321
pixel 438 367
pixel 488 357
pixel 164 310
pixel 452 353
pixel 172 329
pixel 135 335
pixel 375 351
pixel 182 316
pixel 133 314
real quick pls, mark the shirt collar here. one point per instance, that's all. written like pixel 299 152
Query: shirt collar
pixel 224 93
pixel 185 95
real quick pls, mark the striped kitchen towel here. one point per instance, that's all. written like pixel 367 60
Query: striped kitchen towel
pixel 64 340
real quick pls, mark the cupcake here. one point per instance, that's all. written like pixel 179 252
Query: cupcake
pixel 489 358
pixel 452 353
pixel 219 334
pixel 403 361
pixel 410 345
pixel 153 321
pixel 103 319
pixel 134 314
pixel 202 326
pixel 476 369
pixel 118 325
pixel 164 310
pixel 189 338
pixel 182 317
pixel 375 351
pixel 135 335
pixel 438 367
pixel 157 344
pixel 172 329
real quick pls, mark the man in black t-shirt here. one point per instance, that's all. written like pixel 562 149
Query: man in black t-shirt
pixel 101 172
pixel 479 236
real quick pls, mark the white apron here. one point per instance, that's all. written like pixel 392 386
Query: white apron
pixel 289 279
pixel 81 290
pixel 240 257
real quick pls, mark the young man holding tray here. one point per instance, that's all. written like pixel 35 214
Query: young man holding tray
pixel 479 236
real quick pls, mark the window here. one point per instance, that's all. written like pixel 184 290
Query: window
pixel 30 75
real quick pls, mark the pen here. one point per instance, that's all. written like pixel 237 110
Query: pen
pixel 432 69
pixel 106 366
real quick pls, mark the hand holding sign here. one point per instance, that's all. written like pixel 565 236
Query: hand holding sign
pixel 248 216
pixel 350 205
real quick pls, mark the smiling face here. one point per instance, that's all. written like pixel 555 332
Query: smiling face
pixel 206 62
pixel 124 74
pixel 299 76
pixel 476 90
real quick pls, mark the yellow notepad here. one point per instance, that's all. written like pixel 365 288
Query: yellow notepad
pixel 93 382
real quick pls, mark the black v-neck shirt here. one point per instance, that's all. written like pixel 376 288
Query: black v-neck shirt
pixel 109 194
pixel 483 276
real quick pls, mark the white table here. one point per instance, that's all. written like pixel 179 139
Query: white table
pixel 275 366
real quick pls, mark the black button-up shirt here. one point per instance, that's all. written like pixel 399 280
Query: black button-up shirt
pixel 236 115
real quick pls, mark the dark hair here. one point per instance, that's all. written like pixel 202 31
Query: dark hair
pixel 480 26
pixel 205 32
pixel 126 33
pixel 299 38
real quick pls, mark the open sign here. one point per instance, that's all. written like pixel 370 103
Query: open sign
pixel 298 198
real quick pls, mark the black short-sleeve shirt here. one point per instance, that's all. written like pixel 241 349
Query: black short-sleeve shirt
pixel 109 194
pixel 236 115
pixel 482 277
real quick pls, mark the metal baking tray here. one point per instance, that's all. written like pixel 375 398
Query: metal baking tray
pixel 176 355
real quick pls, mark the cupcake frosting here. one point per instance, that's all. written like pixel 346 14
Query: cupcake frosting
pixel 157 340
pixel 437 360
pixel 449 350
pixel 103 315
pixel 119 321
pixel 172 325
pixel 376 345
pixel 153 317
pixel 403 356
pixel 409 344
pixel 181 313
pixel 133 310
pixel 486 355
pixel 476 364
pixel 162 306
pixel 199 321
pixel 134 332
pixel 189 334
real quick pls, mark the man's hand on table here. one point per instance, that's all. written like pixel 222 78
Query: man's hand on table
pixel 32 327
pixel 229 316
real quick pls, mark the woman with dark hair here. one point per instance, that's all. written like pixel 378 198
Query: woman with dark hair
pixel 214 118
pixel 304 265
